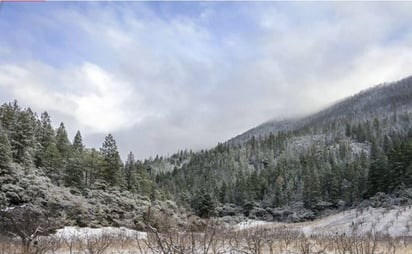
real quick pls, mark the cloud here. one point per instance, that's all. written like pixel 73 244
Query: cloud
pixel 95 99
pixel 164 77
pixel 313 54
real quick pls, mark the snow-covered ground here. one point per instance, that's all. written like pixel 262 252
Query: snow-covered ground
pixel 395 221
pixel 82 233
pixel 251 224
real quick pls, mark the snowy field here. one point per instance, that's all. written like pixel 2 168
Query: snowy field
pixel 68 233
pixel 395 222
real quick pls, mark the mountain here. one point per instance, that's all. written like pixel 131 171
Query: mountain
pixel 374 102
pixel 343 157
pixel 333 159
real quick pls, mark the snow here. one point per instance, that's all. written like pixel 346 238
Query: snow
pixel 82 233
pixel 11 208
pixel 395 222
pixel 250 224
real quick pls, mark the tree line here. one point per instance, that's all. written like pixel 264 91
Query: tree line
pixel 340 162
pixel 336 164
pixel 32 142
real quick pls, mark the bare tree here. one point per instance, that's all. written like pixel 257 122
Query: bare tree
pixel 26 223
pixel 122 242
pixel 8 245
pixel 70 240
pixel 47 244
pixel 142 243
pixel 303 244
pixel 390 244
pixel 253 240
pixel 287 236
pixel 92 244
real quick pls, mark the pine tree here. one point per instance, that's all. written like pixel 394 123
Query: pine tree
pixel 92 161
pixel 8 115
pixel 202 203
pixel 111 167
pixel 408 162
pixel 278 192
pixel 377 176
pixel 5 152
pixel 222 193
pixel 400 165
pixel 45 135
pixel 311 186
pixel 206 206
pixel 22 137
pixel 78 142
pixel 62 142
pixel 75 174
pixel 130 173
pixel 52 163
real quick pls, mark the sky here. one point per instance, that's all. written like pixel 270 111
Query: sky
pixel 167 76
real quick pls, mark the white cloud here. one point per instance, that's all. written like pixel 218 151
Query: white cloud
pixel 375 66
pixel 317 53
pixel 97 100
pixel 184 81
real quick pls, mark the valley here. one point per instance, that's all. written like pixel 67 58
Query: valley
pixel 337 176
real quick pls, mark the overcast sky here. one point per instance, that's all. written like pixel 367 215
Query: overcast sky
pixel 168 76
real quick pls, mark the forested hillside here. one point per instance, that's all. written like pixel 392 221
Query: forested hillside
pixel 375 102
pixel 333 159
pixel 292 170
pixel 41 166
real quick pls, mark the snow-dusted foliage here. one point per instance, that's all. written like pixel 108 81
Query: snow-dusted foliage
pixel 376 102
pixel 330 160
pixel 92 207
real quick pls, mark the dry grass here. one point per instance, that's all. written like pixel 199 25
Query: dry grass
pixel 250 241
pixel 213 238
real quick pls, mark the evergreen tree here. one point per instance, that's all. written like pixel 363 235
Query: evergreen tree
pixel 75 174
pixel 22 137
pixel 92 161
pixel 202 203
pixel 130 173
pixel 400 165
pixel 222 193
pixel 377 177
pixel 111 166
pixel 8 115
pixel 52 163
pixel 408 159
pixel 45 135
pixel 62 142
pixel 278 192
pixel 78 142
pixel 311 186
pixel 5 152
pixel 206 206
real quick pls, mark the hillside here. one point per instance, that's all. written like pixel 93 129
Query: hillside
pixel 332 159
pixel 42 170
pixel 377 102
pixel 293 171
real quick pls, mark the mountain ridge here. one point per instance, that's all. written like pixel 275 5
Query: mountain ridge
pixel 333 159
pixel 276 126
